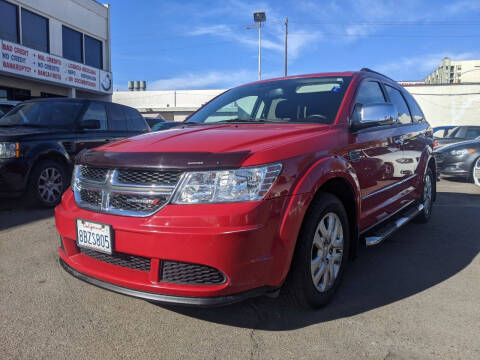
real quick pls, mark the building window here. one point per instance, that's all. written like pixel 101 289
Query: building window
pixel 93 52
pixel 72 44
pixel 35 31
pixel 8 21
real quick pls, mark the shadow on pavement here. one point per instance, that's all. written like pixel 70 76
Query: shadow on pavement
pixel 418 257
pixel 17 211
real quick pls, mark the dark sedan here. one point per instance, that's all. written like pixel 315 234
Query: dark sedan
pixel 458 134
pixel 460 159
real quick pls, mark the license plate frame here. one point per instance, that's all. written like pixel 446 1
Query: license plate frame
pixel 106 231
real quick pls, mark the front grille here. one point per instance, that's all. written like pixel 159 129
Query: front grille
pixel 136 202
pixel 93 174
pixel 120 259
pixel 148 177
pixel 192 274
pixel 91 197
pixel 123 191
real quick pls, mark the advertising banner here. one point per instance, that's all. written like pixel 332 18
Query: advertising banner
pixel 20 60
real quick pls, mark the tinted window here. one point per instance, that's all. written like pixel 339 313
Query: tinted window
pixel 370 92
pixel 34 31
pixel 51 114
pixel 135 121
pixel 397 99
pixel 117 118
pixel 8 21
pixel 473 133
pixel 304 100
pixel 72 42
pixel 96 111
pixel 414 108
pixel 93 52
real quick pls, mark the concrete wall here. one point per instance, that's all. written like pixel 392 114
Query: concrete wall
pixel 449 104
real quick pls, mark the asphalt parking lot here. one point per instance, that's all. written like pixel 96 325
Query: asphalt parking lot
pixel 416 296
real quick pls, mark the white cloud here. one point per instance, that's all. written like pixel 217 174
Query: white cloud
pixel 208 80
pixel 462 6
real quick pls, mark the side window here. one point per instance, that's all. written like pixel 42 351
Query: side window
pixel 135 121
pixel 370 92
pixel 417 113
pixel 397 99
pixel 118 122
pixel 473 133
pixel 96 111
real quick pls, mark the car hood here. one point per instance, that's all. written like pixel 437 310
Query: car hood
pixel 448 147
pixel 446 141
pixel 203 146
pixel 22 133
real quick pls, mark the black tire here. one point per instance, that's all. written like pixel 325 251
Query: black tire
pixel 300 286
pixel 473 178
pixel 37 192
pixel 426 213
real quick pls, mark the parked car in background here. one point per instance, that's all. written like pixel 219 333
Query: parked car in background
pixel 442 131
pixel 152 121
pixel 461 159
pixel 166 125
pixel 6 106
pixel 271 183
pixel 40 138
pixel 458 134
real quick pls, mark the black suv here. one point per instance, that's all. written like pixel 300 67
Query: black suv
pixel 40 138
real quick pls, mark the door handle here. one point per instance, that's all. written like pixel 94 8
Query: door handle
pixel 398 141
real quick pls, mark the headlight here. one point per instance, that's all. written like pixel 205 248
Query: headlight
pixel 245 184
pixel 9 150
pixel 461 152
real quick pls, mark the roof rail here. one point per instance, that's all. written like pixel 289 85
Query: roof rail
pixel 375 72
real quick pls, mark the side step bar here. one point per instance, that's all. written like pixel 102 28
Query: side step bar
pixel 391 226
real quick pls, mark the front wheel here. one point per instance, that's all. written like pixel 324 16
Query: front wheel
pixel 476 172
pixel 47 183
pixel 321 253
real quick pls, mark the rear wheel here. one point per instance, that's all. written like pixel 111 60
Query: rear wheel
pixel 47 183
pixel 321 253
pixel 427 197
pixel 476 172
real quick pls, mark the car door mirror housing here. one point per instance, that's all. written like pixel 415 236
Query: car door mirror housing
pixel 90 124
pixel 374 114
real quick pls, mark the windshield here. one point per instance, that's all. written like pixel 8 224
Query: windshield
pixel 51 114
pixel 306 100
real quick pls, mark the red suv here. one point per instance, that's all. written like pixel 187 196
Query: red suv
pixel 275 183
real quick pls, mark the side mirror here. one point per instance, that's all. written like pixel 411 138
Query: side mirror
pixel 373 115
pixel 90 125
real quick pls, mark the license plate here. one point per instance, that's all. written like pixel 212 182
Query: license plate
pixel 94 236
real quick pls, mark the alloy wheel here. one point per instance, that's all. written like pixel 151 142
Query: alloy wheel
pixel 327 252
pixel 476 172
pixel 427 194
pixel 50 185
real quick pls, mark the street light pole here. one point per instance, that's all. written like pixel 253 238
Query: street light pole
pixel 286 47
pixel 259 51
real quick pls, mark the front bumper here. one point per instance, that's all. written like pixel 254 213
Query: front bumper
pixel 13 176
pixel 452 165
pixel 240 240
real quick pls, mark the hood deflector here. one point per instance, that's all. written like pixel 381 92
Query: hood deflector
pixel 159 160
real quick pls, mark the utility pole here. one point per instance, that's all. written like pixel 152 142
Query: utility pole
pixel 286 41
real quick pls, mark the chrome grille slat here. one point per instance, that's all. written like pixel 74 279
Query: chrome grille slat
pixel 101 190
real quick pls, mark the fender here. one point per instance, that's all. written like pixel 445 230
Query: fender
pixel 42 150
pixel 324 169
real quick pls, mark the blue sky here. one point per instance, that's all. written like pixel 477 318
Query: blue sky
pixel 205 44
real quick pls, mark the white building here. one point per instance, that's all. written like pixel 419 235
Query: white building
pixel 448 104
pixel 54 48
pixel 455 72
